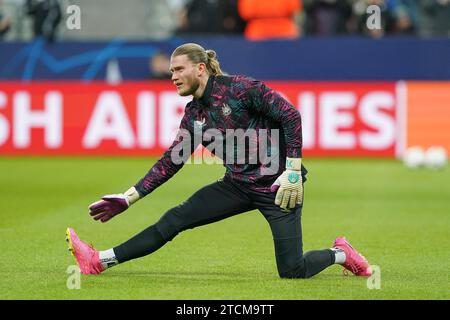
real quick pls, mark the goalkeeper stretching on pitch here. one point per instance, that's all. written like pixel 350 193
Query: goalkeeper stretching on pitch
pixel 225 103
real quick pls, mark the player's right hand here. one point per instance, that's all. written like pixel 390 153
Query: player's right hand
pixel 110 206
pixel 113 204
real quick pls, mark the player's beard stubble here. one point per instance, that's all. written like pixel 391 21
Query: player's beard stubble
pixel 189 86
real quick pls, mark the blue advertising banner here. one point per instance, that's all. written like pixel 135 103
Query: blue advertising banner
pixel 304 59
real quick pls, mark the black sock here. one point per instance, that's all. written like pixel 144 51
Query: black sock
pixel 140 245
pixel 292 264
pixel 317 260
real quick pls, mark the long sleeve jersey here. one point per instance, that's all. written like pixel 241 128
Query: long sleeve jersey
pixel 232 105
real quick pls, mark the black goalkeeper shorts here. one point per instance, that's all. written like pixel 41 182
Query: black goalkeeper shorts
pixel 226 198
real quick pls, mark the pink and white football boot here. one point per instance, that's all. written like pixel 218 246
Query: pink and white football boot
pixel 87 257
pixel 354 262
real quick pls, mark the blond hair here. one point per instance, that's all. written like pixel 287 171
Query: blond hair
pixel 197 54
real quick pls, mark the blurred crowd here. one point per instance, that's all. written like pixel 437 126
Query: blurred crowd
pixel 256 19
pixel 294 18
pixel 45 17
pixel 397 17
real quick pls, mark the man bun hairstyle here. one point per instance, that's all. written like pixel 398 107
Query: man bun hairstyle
pixel 197 54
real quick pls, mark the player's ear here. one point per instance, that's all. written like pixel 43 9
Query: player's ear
pixel 201 67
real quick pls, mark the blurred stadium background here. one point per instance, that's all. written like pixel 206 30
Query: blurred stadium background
pixel 79 102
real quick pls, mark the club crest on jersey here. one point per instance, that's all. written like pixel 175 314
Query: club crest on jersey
pixel 226 110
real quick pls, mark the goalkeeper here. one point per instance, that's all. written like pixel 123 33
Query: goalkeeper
pixel 224 102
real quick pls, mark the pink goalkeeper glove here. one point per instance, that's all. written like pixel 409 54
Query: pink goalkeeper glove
pixel 112 205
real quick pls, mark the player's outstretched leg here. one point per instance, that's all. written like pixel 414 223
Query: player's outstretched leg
pixel 353 261
pixel 86 256
pixel 211 203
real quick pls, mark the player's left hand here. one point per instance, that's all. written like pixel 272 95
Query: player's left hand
pixel 289 185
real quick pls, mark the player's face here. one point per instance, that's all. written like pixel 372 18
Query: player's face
pixel 185 75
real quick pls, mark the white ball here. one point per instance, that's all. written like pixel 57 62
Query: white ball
pixel 436 157
pixel 414 157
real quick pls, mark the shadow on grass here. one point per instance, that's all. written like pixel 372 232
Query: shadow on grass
pixel 221 276
pixel 188 275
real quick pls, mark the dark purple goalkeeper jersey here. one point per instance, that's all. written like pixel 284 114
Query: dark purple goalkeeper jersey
pixel 231 106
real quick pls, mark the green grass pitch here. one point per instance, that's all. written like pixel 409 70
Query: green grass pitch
pixel 399 219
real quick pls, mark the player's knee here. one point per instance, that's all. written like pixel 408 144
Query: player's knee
pixel 167 232
pixel 170 225
pixel 296 273
pixel 292 268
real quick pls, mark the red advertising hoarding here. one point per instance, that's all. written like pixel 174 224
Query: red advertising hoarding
pixel 141 118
